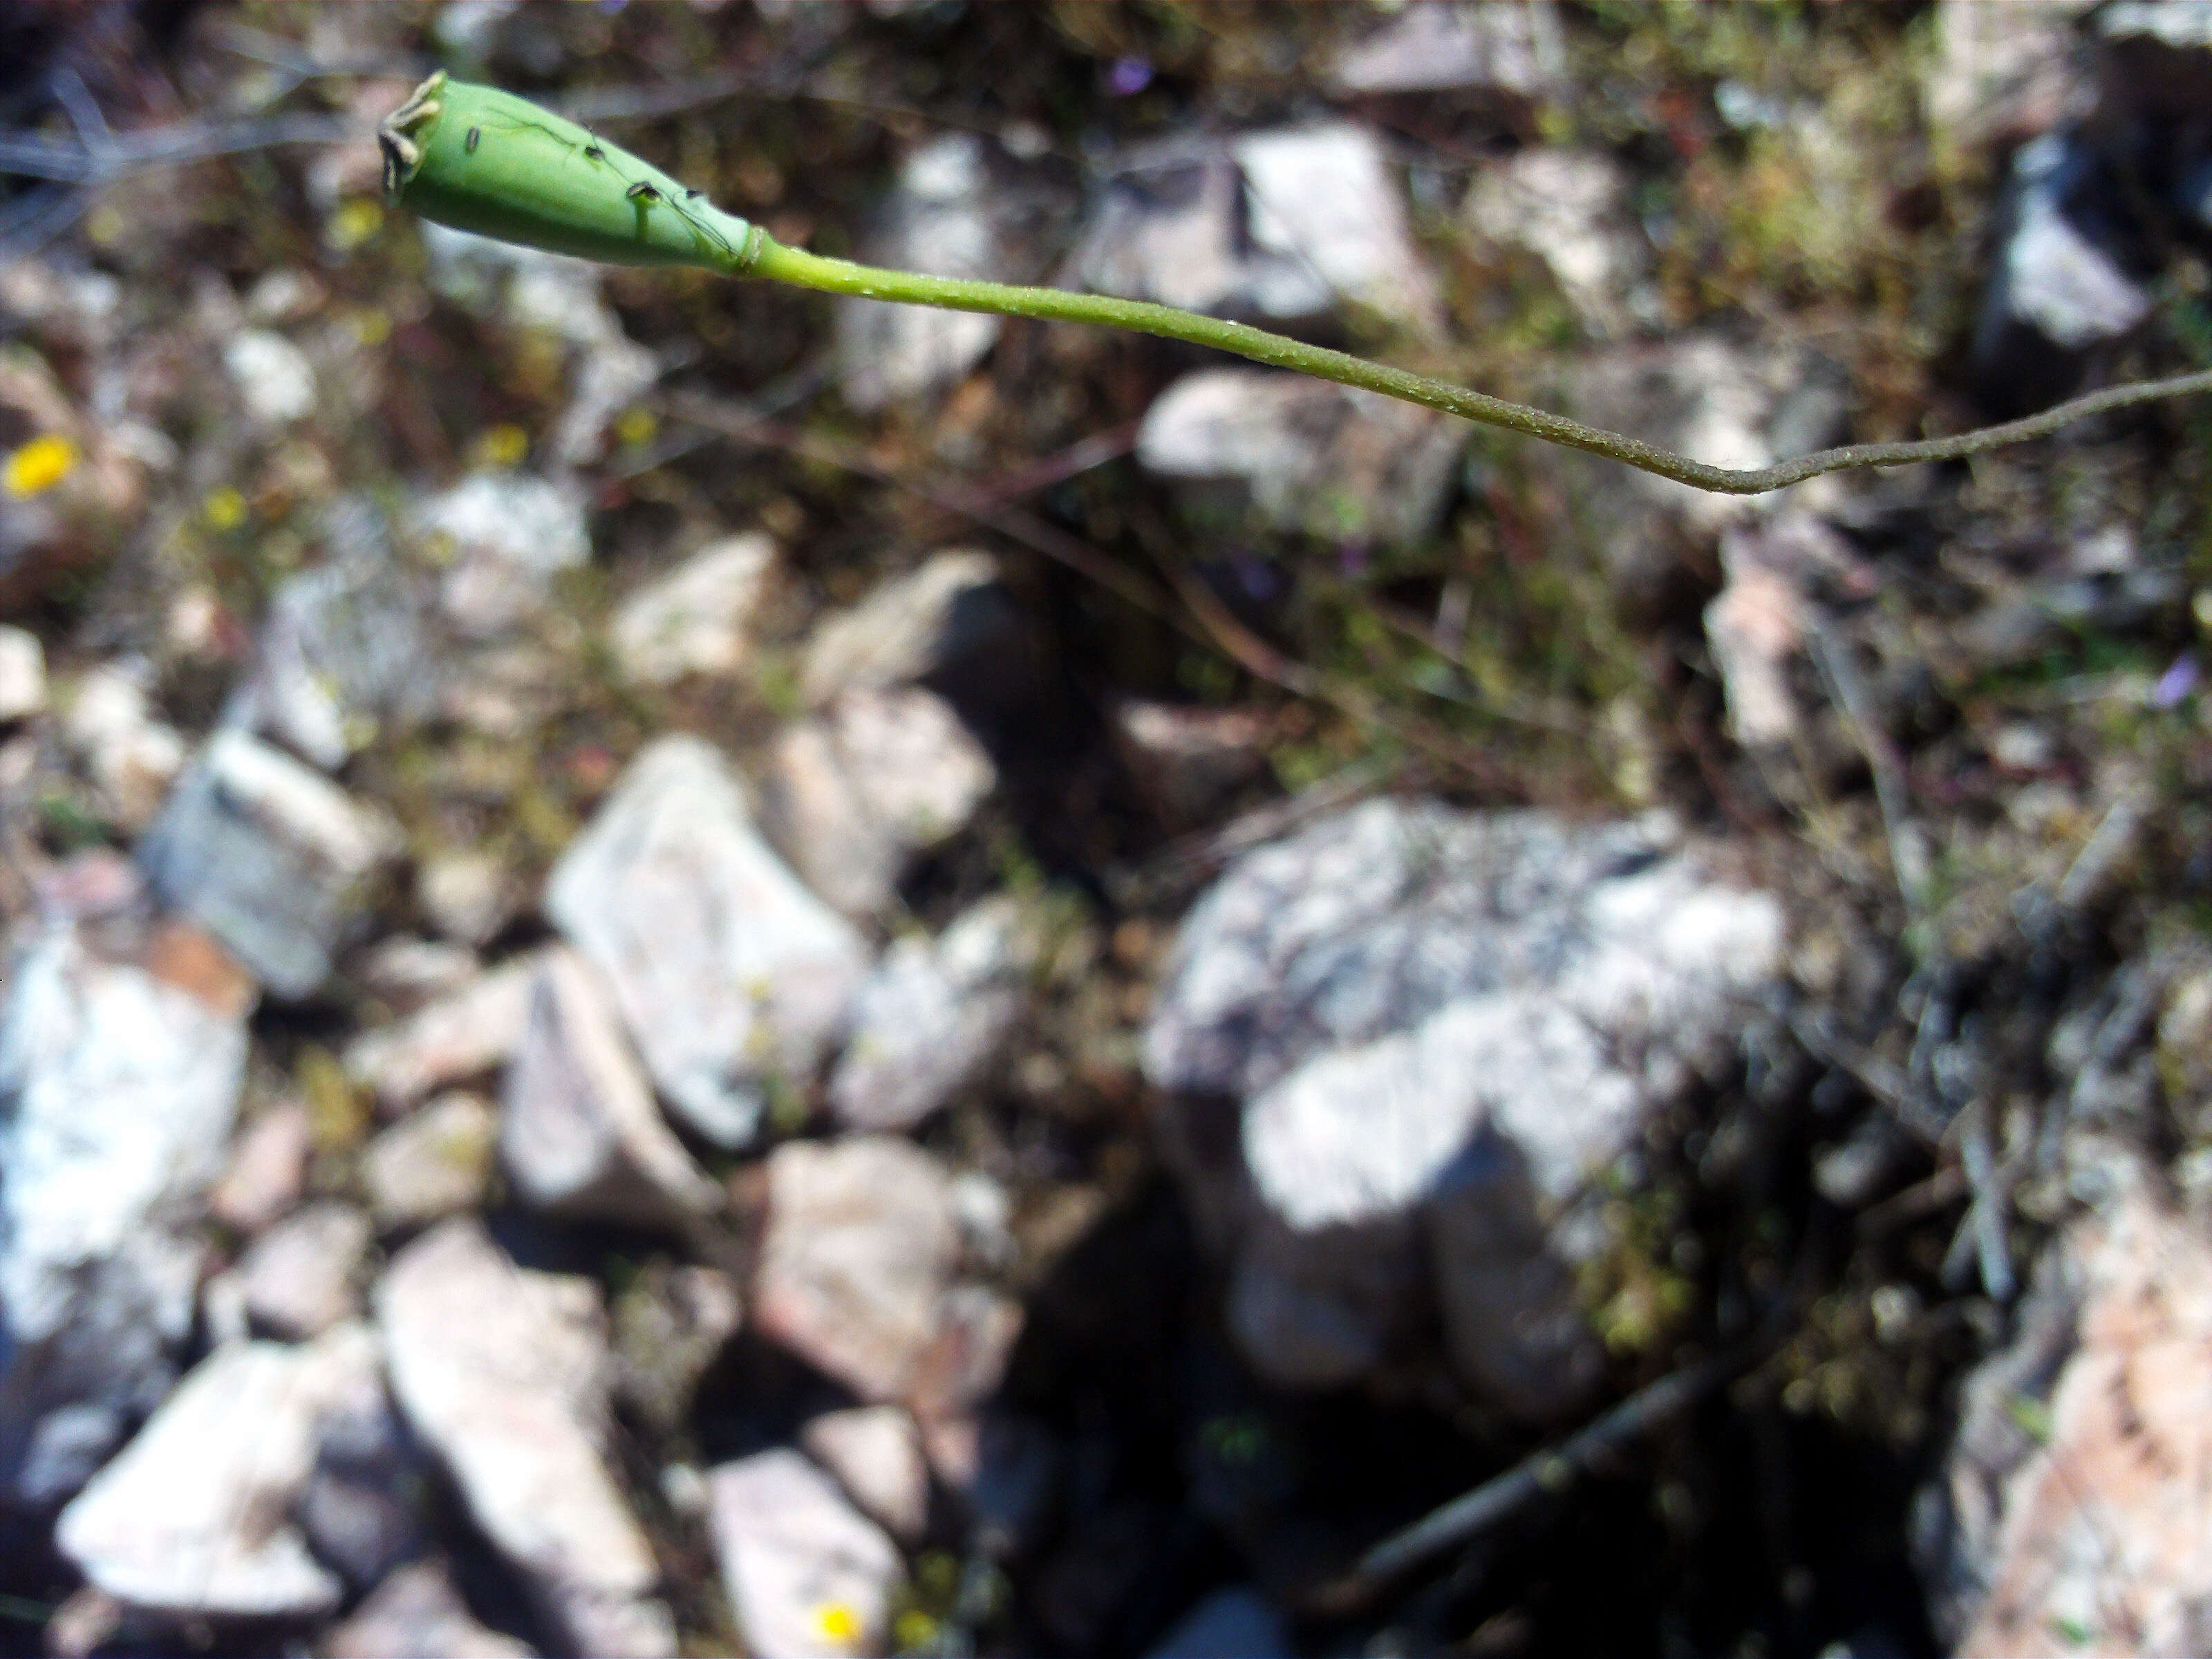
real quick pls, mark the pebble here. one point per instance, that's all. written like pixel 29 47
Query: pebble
pixel 268 1170
pixel 2061 283
pixel 1516 50
pixel 1696 394
pixel 343 655
pixel 808 1575
pixel 875 1452
pixel 190 1519
pixel 1423 1012
pixel 464 894
pixel 504 537
pixel 731 975
pixel 1190 761
pixel 270 856
pixel 434 1163
pixel 1324 194
pixel 580 1135
pixel 958 209
pixel 274 380
pixel 1304 455
pixel 414 1612
pixel 1170 226
pixel 858 1268
pixel 1571 209
pixel 501 1370
pixel 118 1093
pixel 853 794
pixel 698 618
pixel 934 1017
pixel 671 1324
pixel 22 675
pixel 2066 1518
pixel 108 722
pixel 466 1034
pixel 949 613
pixel 299 1277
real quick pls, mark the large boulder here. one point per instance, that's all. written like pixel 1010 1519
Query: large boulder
pixel 1409 1038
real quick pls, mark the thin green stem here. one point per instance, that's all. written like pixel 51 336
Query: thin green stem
pixel 779 263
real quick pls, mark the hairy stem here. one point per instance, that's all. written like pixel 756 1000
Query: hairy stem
pixel 779 263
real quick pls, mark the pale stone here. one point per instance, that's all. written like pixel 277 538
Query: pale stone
pixel 502 1371
pixel 416 1611
pixel 270 855
pixel 808 1575
pixel 118 1091
pixel 580 1135
pixel 299 1277
pixel 434 1163
pixel 875 1452
pixel 698 618
pixel 190 1519
pixel 731 976
pixel 22 675
pixel 463 1035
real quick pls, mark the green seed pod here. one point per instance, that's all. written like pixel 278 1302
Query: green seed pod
pixel 482 160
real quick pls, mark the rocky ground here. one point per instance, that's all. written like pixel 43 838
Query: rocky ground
pixel 695 971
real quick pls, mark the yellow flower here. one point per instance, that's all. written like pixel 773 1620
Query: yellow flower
pixel 225 508
pixel 37 465
pixel 837 1622
pixel 634 426
pixel 502 445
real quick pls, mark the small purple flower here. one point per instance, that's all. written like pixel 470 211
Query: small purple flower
pixel 2177 682
pixel 1351 561
pixel 1129 77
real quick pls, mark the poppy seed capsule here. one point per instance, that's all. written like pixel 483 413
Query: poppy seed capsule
pixel 482 160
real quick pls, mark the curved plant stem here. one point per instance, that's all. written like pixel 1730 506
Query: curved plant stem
pixel 778 263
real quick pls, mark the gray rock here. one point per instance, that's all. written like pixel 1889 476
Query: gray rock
pixel 502 538
pixel 853 794
pixel 1320 460
pixel 22 675
pixel 875 1452
pixel 808 1575
pixel 416 1611
pixel 299 1278
pixel 698 618
pixel 1323 195
pixel 1190 761
pixel 342 654
pixel 934 1017
pixel 671 1325
pixel 501 1370
pixel 190 1519
pixel 371 1501
pixel 2072 1453
pixel 269 855
pixel 465 894
pixel 1570 209
pixel 858 1274
pixel 731 975
pixel 2063 282
pixel 958 208
pixel 405 973
pixel 1170 226
pixel 580 1135
pixel 2003 70
pixel 267 1171
pixel 466 1033
pixel 274 382
pixel 117 1092
pixel 1702 396
pixel 1514 50
pixel 108 722
pixel 949 613
pixel 432 1163
pixel 1235 1623
pixel 1441 1025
